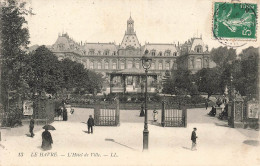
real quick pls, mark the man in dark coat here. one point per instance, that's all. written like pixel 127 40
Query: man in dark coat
pixel 31 126
pixel 193 138
pixel 46 140
pixel 65 114
pixel 90 124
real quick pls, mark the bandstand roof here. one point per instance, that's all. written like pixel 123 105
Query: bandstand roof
pixel 132 71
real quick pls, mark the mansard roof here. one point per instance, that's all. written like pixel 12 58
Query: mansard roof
pixel 96 47
pixel 160 47
pixel 197 42
pixel 193 43
pixel 65 43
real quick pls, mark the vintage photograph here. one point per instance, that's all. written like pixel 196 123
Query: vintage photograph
pixel 129 82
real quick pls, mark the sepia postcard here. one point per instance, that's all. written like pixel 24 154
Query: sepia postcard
pixel 129 82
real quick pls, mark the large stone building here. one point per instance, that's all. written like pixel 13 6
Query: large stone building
pixel 109 58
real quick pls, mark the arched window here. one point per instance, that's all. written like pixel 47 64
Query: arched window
pixel 122 66
pixel 114 65
pixel 106 65
pixel 99 66
pixel 198 63
pixel 160 66
pixel 167 66
pixel 91 65
pixel 129 64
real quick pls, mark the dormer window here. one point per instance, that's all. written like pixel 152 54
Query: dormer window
pixel 99 52
pixel 114 53
pixel 175 54
pixel 160 53
pixel 167 53
pixel 153 52
pixel 106 52
pixel 91 52
pixel 198 49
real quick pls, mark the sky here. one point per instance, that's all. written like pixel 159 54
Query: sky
pixel 155 21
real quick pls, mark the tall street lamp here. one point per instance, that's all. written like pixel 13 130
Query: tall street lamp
pixel 146 63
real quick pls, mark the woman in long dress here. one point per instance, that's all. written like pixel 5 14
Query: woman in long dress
pixel 46 140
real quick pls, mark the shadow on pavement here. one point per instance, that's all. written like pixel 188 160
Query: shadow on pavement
pixel 85 131
pixel 28 135
pixel 151 122
pixel 84 122
pixel 186 148
pixel 223 125
pixel 112 140
pixel 251 142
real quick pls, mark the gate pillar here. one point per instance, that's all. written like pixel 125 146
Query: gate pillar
pixel 184 116
pixel 235 112
pixel 163 114
pixel 97 114
pixel 117 112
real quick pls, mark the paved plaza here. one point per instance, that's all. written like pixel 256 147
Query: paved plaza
pixel 122 145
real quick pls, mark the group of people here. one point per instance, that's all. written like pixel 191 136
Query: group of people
pixel 46 136
pixel 222 104
pixel 62 113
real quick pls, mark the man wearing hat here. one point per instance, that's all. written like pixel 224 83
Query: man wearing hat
pixel 193 138
pixel 90 124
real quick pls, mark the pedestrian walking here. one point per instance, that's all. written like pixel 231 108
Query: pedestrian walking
pixel 193 139
pixel 65 114
pixel 206 104
pixel 155 115
pixel 90 124
pixel 31 126
pixel 142 110
pixel 46 140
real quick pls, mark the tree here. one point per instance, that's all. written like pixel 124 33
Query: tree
pixel 180 83
pixel 246 79
pixel 46 73
pixel 223 55
pixel 14 38
pixel 208 80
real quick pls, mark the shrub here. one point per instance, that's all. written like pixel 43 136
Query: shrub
pixel 14 118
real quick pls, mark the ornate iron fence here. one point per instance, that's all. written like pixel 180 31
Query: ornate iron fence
pixel 107 114
pixel 173 116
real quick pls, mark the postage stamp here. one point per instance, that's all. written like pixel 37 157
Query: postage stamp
pixel 234 21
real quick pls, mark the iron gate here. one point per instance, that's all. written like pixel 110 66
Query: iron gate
pixel 107 114
pixel 173 116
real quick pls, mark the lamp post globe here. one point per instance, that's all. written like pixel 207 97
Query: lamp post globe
pixel 146 63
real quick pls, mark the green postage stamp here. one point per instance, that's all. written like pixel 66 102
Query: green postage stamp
pixel 235 21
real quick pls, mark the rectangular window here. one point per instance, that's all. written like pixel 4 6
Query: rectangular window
pixel 122 65
pixel 137 65
pixel 91 65
pixel 153 66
